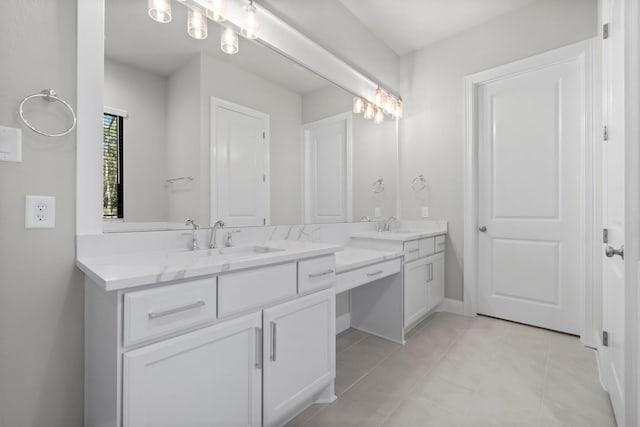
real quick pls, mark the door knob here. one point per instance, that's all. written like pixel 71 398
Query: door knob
pixel 482 229
pixel 610 251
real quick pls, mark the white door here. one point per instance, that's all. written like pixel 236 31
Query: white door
pixel 613 186
pixel 416 274
pixel 299 353
pixel 531 133
pixel 210 377
pixel 239 158
pixel 327 170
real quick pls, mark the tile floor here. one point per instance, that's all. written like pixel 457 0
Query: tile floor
pixel 459 371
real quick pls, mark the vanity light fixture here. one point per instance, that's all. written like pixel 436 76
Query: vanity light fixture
pixel 250 25
pixel 358 105
pixel 160 10
pixel 216 10
pixel 369 111
pixel 229 41
pixel 379 116
pixel 197 24
pixel 397 113
pixel 390 105
pixel 380 97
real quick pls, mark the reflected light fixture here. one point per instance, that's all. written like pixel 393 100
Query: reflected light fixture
pixel 160 10
pixel 390 105
pixel 397 113
pixel 197 24
pixel 369 111
pixel 216 10
pixel 250 25
pixel 379 116
pixel 358 105
pixel 380 97
pixel 229 41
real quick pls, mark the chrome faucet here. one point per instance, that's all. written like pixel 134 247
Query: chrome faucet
pixel 194 237
pixel 212 237
pixel 229 240
pixel 387 223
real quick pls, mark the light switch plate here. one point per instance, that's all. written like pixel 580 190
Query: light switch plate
pixel 425 212
pixel 376 212
pixel 10 144
pixel 40 212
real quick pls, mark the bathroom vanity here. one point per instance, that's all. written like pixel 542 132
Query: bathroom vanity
pixel 209 337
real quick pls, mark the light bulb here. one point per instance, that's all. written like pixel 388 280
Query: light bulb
pixel 229 41
pixel 379 117
pixel 358 105
pixel 217 10
pixel 250 25
pixel 398 111
pixel 390 105
pixel 160 10
pixel 197 24
pixel 380 97
pixel 369 111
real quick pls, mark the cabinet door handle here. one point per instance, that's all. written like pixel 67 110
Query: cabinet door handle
pixel 430 265
pixel 258 332
pixel 375 273
pixel 322 273
pixel 273 341
pixel 155 315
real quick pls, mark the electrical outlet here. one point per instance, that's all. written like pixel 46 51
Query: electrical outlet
pixel 425 212
pixel 40 212
pixel 376 212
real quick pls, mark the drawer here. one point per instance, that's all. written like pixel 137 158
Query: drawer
pixel 441 243
pixel 155 312
pixel 360 276
pixel 251 289
pixel 317 273
pixel 411 250
pixel 427 246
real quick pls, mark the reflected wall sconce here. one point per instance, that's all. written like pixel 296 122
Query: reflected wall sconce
pixel 229 41
pixel 160 10
pixel 383 103
pixel 250 25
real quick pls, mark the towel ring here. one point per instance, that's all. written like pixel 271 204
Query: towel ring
pixel 378 186
pixel 418 183
pixel 51 96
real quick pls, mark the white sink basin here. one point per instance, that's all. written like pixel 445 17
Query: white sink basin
pixel 244 251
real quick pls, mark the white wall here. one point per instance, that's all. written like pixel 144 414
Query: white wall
pixel 41 291
pixel 432 131
pixel 144 96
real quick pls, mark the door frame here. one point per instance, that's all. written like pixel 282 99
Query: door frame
pixel 590 262
pixel 304 172
pixel 213 176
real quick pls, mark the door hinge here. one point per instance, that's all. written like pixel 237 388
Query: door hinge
pixel 264 178
pixel 605 235
pixel 605 31
pixel 605 338
pixel 264 135
pixel 264 221
pixel 605 133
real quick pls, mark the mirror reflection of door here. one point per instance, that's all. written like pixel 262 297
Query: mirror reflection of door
pixel 240 159
pixel 327 150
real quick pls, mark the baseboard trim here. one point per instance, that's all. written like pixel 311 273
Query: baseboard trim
pixel 451 306
pixel 343 322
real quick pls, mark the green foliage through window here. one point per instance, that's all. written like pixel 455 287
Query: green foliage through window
pixel 112 202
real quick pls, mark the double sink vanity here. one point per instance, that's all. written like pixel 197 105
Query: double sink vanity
pixel 243 335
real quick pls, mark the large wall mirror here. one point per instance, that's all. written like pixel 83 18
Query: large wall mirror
pixel 251 138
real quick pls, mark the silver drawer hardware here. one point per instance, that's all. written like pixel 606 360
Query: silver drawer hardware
pixel 430 272
pixel 610 251
pixel 258 332
pixel 413 251
pixel 155 315
pixel 323 273
pixel 375 273
pixel 273 341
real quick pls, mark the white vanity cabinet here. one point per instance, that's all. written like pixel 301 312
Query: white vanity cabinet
pixel 210 377
pixel 299 354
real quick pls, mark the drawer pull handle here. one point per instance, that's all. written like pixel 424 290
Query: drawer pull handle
pixel 155 315
pixel 323 273
pixel 273 341
pixel 413 251
pixel 258 332
pixel 375 273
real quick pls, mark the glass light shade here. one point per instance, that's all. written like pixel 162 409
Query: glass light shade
pixel 229 41
pixel 197 24
pixel 390 105
pixel 380 97
pixel 358 105
pixel 217 10
pixel 379 116
pixel 369 111
pixel 397 113
pixel 160 10
pixel 250 25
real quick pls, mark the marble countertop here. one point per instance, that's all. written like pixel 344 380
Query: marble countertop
pixel 352 258
pixel 400 235
pixel 128 270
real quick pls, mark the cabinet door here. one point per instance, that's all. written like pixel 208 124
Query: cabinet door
pixel 435 282
pixel 210 377
pixel 415 291
pixel 299 353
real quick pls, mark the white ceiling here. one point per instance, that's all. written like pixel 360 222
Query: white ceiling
pixel 407 25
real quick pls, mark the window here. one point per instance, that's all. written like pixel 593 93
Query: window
pixel 113 199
